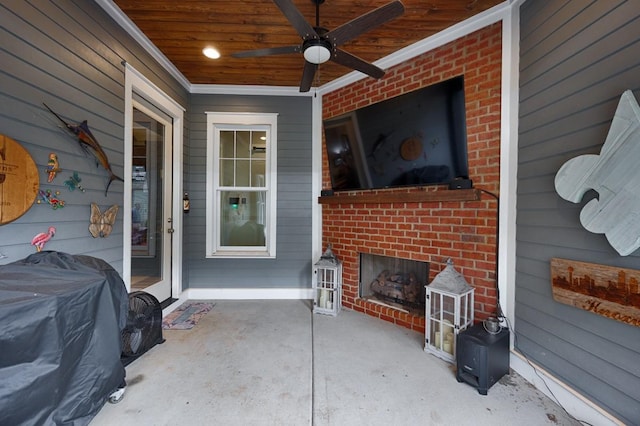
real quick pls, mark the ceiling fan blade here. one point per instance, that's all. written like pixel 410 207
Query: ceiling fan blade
pixel 366 22
pixel 288 9
pixel 307 76
pixel 348 60
pixel 267 52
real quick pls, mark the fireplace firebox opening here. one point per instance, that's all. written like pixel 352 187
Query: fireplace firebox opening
pixel 395 282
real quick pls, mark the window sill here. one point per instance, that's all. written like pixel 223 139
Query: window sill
pixel 241 255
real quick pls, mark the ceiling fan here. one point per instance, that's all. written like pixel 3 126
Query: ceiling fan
pixel 320 45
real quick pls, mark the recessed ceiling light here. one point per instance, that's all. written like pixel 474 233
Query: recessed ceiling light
pixel 210 52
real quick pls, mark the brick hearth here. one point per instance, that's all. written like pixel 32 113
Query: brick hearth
pixel 432 231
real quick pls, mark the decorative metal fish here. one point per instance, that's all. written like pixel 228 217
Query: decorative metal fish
pixel 86 141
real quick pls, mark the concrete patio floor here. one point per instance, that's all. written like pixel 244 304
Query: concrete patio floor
pixel 273 362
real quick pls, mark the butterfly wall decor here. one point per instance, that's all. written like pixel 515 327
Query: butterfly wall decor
pixel 101 224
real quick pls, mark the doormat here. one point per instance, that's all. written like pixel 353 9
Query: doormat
pixel 186 316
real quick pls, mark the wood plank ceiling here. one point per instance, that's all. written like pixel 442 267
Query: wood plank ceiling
pixel 182 29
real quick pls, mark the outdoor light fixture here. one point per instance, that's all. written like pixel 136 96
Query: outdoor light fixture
pixel 210 52
pixel 317 51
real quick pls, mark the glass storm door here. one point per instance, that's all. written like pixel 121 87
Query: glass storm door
pixel 151 222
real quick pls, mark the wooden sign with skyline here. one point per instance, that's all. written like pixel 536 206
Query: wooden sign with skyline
pixel 609 291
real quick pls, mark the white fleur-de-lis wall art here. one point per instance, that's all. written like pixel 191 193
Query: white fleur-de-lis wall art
pixel 615 175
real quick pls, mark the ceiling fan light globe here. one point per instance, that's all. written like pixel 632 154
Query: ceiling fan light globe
pixel 317 54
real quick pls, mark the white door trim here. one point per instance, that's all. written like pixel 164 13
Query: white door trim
pixel 136 82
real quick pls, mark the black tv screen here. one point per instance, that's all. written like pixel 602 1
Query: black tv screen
pixel 418 138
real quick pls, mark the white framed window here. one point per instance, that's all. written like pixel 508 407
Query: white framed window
pixel 241 185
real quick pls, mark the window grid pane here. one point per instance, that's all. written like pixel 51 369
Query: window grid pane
pixel 227 144
pixel 242 172
pixel 242 158
pixel 243 144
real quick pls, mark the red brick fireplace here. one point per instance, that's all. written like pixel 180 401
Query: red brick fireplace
pixel 405 223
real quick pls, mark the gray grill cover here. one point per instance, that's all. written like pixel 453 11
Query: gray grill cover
pixel 61 318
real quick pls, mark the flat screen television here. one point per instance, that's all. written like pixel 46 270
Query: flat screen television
pixel 418 138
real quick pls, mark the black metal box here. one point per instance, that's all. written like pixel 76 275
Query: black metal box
pixel 482 358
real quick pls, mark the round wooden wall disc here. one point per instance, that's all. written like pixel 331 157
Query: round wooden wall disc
pixel 411 148
pixel 19 180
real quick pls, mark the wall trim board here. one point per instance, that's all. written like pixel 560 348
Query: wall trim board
pixel 316 176
pixel 509 104
pixel 230 89
pixel 573 402
pixel 247 293
pixel 130 28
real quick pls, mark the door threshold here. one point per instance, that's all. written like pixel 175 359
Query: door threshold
pixel 167 302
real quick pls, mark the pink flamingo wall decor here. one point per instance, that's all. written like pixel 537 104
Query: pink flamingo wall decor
pixel 41 239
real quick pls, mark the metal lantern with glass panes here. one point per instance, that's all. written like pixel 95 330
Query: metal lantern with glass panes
pixel 449 310
pixel 327 284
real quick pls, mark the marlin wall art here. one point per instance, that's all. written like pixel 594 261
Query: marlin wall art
pixel 88 143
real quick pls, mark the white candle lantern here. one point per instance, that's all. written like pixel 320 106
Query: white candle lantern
pixel 449 310
pixel 327 284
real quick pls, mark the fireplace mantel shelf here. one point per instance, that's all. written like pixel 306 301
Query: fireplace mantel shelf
pixel 404 197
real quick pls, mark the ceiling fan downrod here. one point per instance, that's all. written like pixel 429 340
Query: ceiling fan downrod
pixel 317 3
pixel 317 50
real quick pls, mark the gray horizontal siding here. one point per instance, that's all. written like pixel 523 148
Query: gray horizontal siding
pixel 577 58
pixel 69 55
pixel 292 266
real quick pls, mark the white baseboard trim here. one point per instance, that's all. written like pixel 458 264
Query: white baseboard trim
pixel 246 293
pixel 575 404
